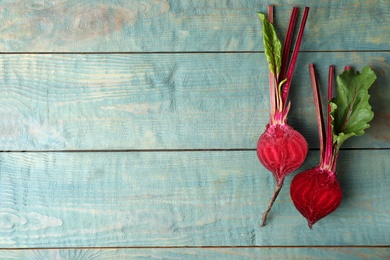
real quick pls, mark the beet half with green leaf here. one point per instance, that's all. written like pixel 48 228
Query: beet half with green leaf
pixel 316 192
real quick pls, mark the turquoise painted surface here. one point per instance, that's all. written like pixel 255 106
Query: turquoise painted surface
pixel 126 110
pixel 192 198
pixel 202 253
pixel 164 101
pixel 169 25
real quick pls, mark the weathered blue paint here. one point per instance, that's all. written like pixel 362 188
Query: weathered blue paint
pixel 163 101
pixel 203 253
pixel 179 199
pixel 186 25
pixel 199 94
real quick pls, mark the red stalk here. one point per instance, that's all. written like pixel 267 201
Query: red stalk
pixel 294 57
pixel 271 14
pixel 287 42
pixel 319 113
pixel 329 138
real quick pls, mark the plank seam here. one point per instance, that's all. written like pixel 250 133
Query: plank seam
pixel 192 247
pixel 184 52
pixel 169 150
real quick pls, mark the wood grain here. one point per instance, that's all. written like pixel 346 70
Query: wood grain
pixel 203 253
pixel 171 26
pixel 169 85
pixel 164 101
pixel 179 199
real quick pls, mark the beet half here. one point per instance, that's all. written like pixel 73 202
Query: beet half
pixel 315 193
pixel 281 150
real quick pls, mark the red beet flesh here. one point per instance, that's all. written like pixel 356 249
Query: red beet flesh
pixel 281 150
pixel 315 193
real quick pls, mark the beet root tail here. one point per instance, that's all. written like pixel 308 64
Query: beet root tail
pixel 271 202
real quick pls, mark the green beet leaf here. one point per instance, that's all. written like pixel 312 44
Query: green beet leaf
pixel 272 46
pixel 350 110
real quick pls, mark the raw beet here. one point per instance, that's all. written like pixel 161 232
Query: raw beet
pixel 281 150
pixel 315 193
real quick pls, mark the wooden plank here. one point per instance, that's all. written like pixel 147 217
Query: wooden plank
pixel 180 199
pixel 170 25
pixel 182 101
pixel 203 253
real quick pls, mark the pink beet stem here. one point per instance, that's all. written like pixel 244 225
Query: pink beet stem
pixel 335 157
pixel 294 56
pixel 271 14
pixel 272 97
pixel 347 67
pixel 287 42
pixel 274 102
pixel 329 139
pixel 319 113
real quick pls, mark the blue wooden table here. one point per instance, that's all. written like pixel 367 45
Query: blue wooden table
pixel 128 130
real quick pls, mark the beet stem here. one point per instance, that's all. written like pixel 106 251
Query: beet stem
pixel 271 14
pixel 272 97
pixel 271 202
pixel 272 77
pixel 319 112
pixel 287 42
pixel 294 56
pixel 329 138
